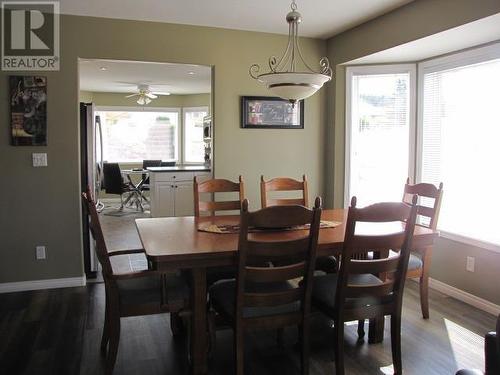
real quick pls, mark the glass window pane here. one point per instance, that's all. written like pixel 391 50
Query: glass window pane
pixel 380 130
pixel 461 129
pixel 194 147
pixel 135 136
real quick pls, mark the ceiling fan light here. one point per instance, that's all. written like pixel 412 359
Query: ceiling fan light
pixel 141 101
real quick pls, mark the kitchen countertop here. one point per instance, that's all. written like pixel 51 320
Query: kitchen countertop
pixel 180 168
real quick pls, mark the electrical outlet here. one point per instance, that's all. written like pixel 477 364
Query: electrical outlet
pixel 39 159
pixel 40 252
pixel 471 264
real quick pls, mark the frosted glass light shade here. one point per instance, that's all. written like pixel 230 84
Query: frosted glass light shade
pixel 293 86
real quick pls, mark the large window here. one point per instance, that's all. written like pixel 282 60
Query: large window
pixel 193 134
pixel 379 124
pixel 459 136
pixel 136 135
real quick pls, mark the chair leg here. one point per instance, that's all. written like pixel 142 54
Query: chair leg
pixel 239 350
pixel 361 329
pixel 396 343
pixel 424 295
pixel 105 331
pixel 305 347
pixel 114 340
pixel 339 347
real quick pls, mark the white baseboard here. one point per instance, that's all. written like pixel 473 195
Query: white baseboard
pixel 463 296
pixel 42 284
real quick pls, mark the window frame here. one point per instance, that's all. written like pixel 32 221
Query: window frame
pixel 150 109
pixel 355 70
pixel 455 60
pixel 184 110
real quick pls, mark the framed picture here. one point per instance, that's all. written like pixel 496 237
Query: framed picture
pixel 263 112
pixel 28 110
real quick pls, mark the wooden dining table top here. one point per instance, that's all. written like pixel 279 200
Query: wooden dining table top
pixel 178 239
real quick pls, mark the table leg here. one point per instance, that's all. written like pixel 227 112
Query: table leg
pixel 199 321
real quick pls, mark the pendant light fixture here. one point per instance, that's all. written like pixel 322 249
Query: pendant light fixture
pixel 283 79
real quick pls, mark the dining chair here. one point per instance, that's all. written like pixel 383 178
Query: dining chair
pixel 265 297
pixel 327 264
pixel 145 178
pixel 213 186
pixel 113 182
pixel 283 184
pixel 355 293
pixel 420 258
pixel 211 207
pixel 131 292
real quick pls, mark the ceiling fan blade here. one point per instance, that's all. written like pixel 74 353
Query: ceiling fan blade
pixel 151 95
pixel 161 93
pixel 131 95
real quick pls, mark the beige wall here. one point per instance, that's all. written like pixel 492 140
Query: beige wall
pixel 42 205
pixel 413 21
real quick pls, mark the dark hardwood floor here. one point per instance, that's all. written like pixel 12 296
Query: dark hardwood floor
pixel 58 332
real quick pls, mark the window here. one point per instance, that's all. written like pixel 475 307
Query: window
pixel 459 134
pixel 131 135
pixel 194 147
pixel 379 136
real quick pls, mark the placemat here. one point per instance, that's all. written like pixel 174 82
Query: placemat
pixel 235 228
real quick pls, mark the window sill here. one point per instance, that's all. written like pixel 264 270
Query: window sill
pixel 470 241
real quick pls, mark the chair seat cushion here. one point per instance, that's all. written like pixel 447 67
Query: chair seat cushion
pixel 414 262
pixel 325 289
pixel 147 290
pixel 327 264
pixel 220 273
pixel 223 297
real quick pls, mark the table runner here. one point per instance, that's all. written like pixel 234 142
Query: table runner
pixel 235 228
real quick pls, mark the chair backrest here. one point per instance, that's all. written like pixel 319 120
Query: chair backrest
pixel 149 163
pixel 296 256
pixel 217 185
pixel 397 236
pixel 96 230
pixel 429 191
pixel 283 184
pixel 113 180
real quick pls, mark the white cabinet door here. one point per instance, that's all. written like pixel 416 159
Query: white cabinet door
pixel 184 199
pixel 163 204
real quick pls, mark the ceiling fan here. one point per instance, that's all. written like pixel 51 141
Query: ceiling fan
pixel 145 95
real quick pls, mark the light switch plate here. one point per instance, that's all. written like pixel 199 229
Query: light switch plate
pixel 471 264
pixel 40 159
pixel 40 252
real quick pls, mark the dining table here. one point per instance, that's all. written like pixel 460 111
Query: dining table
pixel 173 243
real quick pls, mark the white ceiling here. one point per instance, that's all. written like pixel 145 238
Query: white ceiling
pixel 320 18
pixel 465 36
pixel 124 76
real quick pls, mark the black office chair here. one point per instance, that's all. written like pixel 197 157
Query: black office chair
pixel 491 354
pixel 113 182
pixel 145 178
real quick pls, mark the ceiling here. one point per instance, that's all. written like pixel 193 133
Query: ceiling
pixel 124 76
pixel 320 18
pixel 465 36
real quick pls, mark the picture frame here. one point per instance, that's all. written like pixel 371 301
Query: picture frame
pixel 269 112
pixel 28 110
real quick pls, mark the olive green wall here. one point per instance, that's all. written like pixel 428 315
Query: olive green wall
pixel 413 21
pixel 42 205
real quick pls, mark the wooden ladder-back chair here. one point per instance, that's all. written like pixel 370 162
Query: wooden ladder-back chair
pixel 217 186
pixel 355 293
pixel 131 293
pixel 420 259
pixel 283 184
pixel 264 297
pixel 327 264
